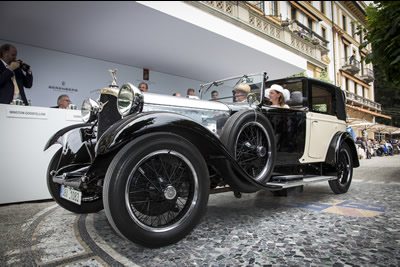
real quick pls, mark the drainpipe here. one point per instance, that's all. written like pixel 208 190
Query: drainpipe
pixel 333 39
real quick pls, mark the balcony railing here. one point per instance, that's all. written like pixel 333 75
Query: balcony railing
pixel 250 16
pixel 350 64
pixel 355 100
pixel 305 32
pixel 367 75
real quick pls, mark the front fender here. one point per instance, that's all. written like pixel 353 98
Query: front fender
pixel 333 151
pixel 56 137
pixel 134 126
pixel 208 143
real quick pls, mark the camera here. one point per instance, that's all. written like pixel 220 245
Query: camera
pixel 25 67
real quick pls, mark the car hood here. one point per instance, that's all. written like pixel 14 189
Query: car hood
pixel 177 101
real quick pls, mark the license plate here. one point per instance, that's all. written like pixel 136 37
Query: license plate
pixel 71 194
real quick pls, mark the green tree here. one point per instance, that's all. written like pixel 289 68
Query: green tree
pixel 383 33
pixel 389 97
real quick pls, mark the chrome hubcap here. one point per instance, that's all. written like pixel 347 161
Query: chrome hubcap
pixel 261 151
pixel 170 192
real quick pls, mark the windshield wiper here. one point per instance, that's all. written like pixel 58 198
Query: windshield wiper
pixel 213 83
pixel 240 80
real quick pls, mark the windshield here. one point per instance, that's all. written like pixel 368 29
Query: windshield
pixel 233 89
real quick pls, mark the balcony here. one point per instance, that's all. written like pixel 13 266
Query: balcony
pixel 253 18
pixel 350 65
pixel 309 35
pixel 356 100
pixel 367 75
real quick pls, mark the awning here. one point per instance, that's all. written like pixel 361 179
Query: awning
pixel 305 10
pixel 369 112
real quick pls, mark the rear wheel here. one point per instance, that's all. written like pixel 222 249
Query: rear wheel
pixel 344 167
pixel 91 202
pixel 156 189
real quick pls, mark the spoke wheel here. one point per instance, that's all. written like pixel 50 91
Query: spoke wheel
pixel 156 189
pixel 344 167
pixel 161 191
pixel 249 136
pixel 253 150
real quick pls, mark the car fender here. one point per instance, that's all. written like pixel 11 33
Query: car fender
pixel 136 126
pixel 56 137
pixel 334 147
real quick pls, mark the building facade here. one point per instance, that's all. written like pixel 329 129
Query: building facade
pixel 323 33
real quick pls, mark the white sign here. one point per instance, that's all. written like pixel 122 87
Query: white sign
pixel 26 113
pixel 73 116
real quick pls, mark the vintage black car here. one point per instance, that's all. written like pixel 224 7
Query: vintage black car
pixel 151 160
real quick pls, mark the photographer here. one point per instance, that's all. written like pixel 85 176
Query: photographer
pixel 14 76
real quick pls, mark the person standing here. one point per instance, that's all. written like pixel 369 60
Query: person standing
pixel 190 92
pixel 214 95
pixel 14 76
pixel 143 87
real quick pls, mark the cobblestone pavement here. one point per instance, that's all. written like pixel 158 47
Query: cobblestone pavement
pixel 313 228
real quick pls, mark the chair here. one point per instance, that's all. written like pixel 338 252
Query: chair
pixel 297 100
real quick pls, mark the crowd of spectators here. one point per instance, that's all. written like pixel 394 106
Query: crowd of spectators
pixel 368 148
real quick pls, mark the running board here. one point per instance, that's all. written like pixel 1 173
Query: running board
pixel 296 182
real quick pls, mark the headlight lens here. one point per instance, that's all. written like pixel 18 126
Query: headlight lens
pixel 89 110
pixel 130 99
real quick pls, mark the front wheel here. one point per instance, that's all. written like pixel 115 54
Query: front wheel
pixel 91 202
pixel 344 167
pixel 156 189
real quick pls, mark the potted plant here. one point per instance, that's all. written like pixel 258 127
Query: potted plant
pixel 285 23
pixel 315 41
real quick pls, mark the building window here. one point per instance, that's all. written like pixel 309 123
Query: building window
pixel 346 55
pixel 347 84
pixel 274 8
pixel 362 66
pixel 257 4
pixel 366 92
pixel 293 13
pixel 322 3
pixel 355 88
pixel 344 23
pixel 353 30
pixel 310 23
pixel 323 32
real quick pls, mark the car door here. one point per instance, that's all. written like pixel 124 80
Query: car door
pixel 322 122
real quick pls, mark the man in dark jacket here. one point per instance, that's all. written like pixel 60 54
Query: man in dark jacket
pixel 12 78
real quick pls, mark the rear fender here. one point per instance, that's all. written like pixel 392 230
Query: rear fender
pixel 334 148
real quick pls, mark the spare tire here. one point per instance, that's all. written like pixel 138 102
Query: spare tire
pixel 249 137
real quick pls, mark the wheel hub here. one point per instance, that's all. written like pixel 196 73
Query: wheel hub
pixel 261 151
pixel 170 192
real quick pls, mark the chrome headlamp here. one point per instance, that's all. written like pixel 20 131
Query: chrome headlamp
pixel 130 98
pixel 89 110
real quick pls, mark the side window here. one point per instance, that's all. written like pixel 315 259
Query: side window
pixel 298 97
pixel 321 99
